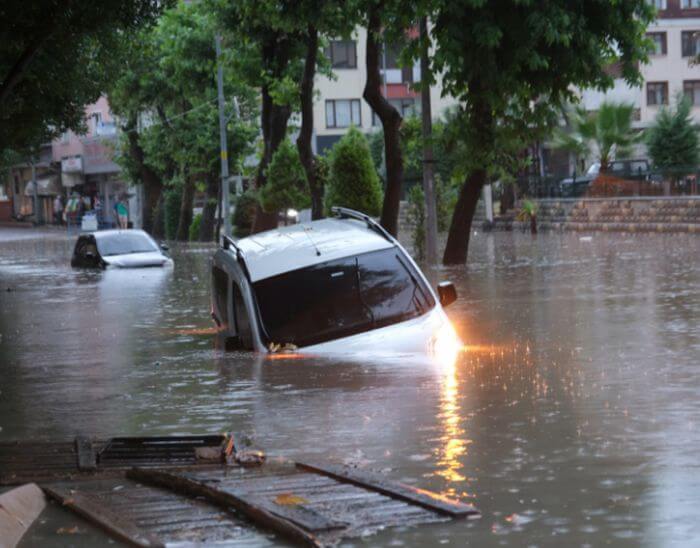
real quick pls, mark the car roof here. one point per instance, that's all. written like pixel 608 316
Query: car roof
pixel 99 234
pixel 300 245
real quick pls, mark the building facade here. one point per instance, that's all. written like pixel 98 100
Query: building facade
pixel 340 105
pixel 75 167
pixel 672 70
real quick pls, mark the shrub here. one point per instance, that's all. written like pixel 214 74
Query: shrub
pixel 173 201
pixel 194 227
pixel 242 218
pixel 353 180
pixel 286 184
pixel 416 216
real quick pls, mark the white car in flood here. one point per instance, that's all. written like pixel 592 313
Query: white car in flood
pixel 119 249
pixel 336 285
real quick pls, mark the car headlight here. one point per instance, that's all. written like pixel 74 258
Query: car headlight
pixel 444 345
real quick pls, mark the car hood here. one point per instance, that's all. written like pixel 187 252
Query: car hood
pixel 137 260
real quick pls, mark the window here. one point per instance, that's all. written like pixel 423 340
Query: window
pixel 343 113
pixel 690 43
pixel 691 89
pixel 220 284
pixel 658 4
pixel 406 107
pixel 685 4
pixel 340 298
pixel 659 41
pixel 657 93
pixel 125 243
pixel 342 53
pixel 240 316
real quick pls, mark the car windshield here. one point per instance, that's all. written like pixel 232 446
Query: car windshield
pixel 340 298
pixel 125 242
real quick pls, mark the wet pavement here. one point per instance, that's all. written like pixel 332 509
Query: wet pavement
pixel 570 419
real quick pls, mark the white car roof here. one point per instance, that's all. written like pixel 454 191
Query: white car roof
pixel 297 246
pixel 115 232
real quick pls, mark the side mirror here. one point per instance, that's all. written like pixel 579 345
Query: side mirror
pixel 164 246
pixel 447 293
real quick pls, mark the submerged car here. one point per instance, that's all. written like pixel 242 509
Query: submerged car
pixel 336 285
pixel 120 249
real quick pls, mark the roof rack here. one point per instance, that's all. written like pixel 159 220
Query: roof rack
pixel 347 213
pixel 227 243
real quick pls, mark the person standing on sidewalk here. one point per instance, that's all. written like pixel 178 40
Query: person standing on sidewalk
pixel 122 213
pixel 58 210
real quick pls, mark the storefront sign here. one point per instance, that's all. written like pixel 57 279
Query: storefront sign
pixel 72 165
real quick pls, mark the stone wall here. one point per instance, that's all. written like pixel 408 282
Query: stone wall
pixel 638 214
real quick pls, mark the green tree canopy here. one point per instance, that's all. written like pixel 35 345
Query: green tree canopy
pixel 354 182
pixel 286 186
pixel 672 141
pixel 513 63
pixel 56 58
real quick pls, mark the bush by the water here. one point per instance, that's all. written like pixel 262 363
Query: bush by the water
pixel 353 180
pixel 173 201
pixel 194 227
pixel 242 219
pixel 286 185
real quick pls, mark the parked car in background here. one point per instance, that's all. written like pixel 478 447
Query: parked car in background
pixel 336 285
pixel 119 249
pixel 635 169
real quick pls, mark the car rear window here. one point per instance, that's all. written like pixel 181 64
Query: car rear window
pixel 340 298
pixel 126 242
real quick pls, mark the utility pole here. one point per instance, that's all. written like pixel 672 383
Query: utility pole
pixel 225 196
pixel 428 159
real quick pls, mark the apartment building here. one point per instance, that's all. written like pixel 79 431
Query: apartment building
pixel 340 104
pixel 671 70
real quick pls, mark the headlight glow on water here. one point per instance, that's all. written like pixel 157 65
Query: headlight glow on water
pixel 444 346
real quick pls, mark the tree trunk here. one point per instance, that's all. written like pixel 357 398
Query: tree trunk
pixel 391 123
pixel 428 171
pixel 481 121
pixel 273 119
pixel 461 225
pixel 306 96
pixel 159 219
pixel 185 220
pixel 152 184
pixel 206 228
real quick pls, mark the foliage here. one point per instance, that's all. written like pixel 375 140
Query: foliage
pixel 168 86
pixel 672 141
pixel 528 210
pixel 416 217
pixel 323 170
pixel 606 133
pixel 512 64
pixel 172 203
pixel 353 180
pixel 194 227
pixel 286 186
pixel 55 59
pixel 242 219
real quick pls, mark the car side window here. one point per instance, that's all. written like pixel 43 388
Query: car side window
pixel 220 281
pixel 242 321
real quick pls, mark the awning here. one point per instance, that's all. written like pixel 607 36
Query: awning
pixel 72 179
pixel 47 186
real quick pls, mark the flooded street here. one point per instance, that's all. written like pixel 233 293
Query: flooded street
pixel 572 417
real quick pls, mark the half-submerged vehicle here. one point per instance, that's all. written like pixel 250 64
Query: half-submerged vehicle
pixel 336 285
pixel 119 248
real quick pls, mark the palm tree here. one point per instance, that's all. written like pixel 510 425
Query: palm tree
pixel 605 133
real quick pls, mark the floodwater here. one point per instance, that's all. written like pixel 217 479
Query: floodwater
pixel 572 417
